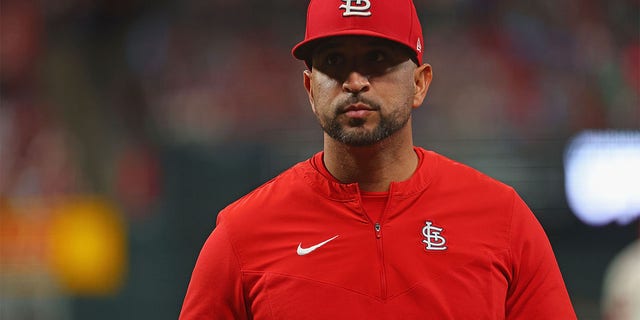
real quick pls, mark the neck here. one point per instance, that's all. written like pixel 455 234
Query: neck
pixel 372 167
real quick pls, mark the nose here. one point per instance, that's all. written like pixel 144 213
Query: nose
pixel 356 82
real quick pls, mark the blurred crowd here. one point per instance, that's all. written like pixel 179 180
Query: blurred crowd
pixel 94 93
pixel 85 82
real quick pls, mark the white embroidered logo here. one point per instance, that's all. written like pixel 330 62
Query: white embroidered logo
pixel 356 8
pixel 305 251
pixel 432 237
pixel 419 46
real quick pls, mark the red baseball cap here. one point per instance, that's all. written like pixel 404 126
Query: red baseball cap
pixel 394 20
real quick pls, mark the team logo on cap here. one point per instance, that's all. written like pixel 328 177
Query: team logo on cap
pixel 418 46
pixel 356 8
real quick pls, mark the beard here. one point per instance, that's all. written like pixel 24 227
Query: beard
pixel 354 132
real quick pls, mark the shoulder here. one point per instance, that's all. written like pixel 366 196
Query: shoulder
pixel 273 195
pixel 454 175
pixel 478 200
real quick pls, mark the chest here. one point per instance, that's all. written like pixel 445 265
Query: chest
pixel 413 259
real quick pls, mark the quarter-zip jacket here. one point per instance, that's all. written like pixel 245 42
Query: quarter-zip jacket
pixel 451 243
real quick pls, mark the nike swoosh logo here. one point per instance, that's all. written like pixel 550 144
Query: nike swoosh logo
pixel 304 251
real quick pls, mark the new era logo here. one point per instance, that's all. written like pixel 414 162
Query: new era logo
pixel 356 8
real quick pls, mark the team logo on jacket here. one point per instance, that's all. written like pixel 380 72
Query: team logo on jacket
pixel 356 8
pixel 433 238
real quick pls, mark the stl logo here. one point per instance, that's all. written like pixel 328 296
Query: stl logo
pixel 432 238
pixel 356 8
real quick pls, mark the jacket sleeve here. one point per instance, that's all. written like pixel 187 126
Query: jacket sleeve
pixel 536 290
pixel 215 290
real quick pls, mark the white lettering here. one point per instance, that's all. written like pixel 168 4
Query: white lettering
pixel 356 8
pixel 433 239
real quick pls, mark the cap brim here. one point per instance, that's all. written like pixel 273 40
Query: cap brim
pixel 304 49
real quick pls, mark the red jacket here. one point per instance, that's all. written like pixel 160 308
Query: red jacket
pixel 451 243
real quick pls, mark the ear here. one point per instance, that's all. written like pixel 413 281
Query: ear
pixel 422 79
pixel 307 85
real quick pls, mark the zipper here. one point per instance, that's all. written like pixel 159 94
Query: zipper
pixel 383 276
pixel 377 228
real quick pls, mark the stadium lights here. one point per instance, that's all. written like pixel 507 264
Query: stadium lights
pixel 602 176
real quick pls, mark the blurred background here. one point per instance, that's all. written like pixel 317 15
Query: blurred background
pixel 125 126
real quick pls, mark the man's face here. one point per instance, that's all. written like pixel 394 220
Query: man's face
pixel 362 89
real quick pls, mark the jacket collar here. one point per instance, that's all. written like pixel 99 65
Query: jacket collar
pixel 317 177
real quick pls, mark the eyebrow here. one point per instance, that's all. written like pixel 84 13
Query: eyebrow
pixel 374 42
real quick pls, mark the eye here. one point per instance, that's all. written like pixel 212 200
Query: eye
pixel 334 59
pixel 376 56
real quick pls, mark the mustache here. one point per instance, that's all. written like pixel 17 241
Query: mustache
pixel 343 104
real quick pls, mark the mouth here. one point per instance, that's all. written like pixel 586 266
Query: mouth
pixel 357 107
pixel 357 110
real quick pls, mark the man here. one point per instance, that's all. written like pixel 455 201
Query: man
pixel 373 227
